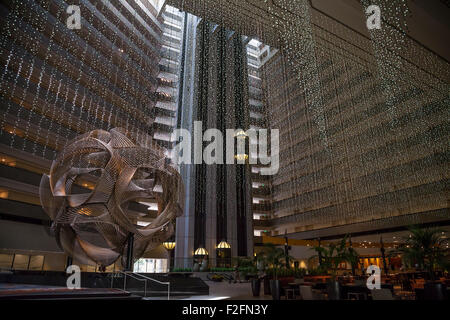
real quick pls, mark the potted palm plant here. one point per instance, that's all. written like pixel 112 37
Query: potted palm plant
pixel 352 257
pixel 332 256
pixel 273 257
pixel 425 248
pixel 246 267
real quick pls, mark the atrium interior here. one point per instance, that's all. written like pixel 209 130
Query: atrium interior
pixel 275 143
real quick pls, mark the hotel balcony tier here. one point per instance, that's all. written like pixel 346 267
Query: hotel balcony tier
pixel 169 68
pixel 262 207
pixel 256 177
pixel 165 97
pixel 112 98
pixel 164 142
pixel 172 27
pixel 254 82
pixel 36 137
pixel 163 127
pixel 114 82
pixel 258 122
pixel 169 16
pixel 256 108
pixel 39 112
pixel 167 84
pixel 163 111
pixel 253 94
pixel 261 191
pixel 264 224
pixel 172 40
pixel 253 69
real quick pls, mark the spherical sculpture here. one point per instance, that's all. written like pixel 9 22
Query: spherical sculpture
pixel 93 225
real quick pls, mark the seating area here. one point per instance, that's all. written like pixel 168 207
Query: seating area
pixel 355 288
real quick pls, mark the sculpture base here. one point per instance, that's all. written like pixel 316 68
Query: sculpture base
pixel 179 285
pixel 41 292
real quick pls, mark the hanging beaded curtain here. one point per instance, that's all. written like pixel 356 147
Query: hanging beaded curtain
pixel 57 83
pixel 361 120
pixel 60 86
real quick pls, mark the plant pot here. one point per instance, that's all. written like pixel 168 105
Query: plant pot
pixel 275 288
pixel 434 291
pixel 256 287
pixel 334 290
pixel 267 285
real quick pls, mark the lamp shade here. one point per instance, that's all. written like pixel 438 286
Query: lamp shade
pixel 223 245
pixel 241 156
pixel 169 245
pixel 201 252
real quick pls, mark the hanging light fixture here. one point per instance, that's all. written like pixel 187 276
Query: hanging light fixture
pixel 223 245
pixel 169 245
pixel 240 134
pixel 201 252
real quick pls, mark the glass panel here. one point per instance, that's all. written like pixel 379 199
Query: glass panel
pixel 36 262
pixel 151 265
pixel 21 262
pixel 6 261
pixel 140 266
pixel 55 262
pixel 161 265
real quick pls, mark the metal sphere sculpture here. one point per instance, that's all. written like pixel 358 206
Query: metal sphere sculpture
pixel 93 225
